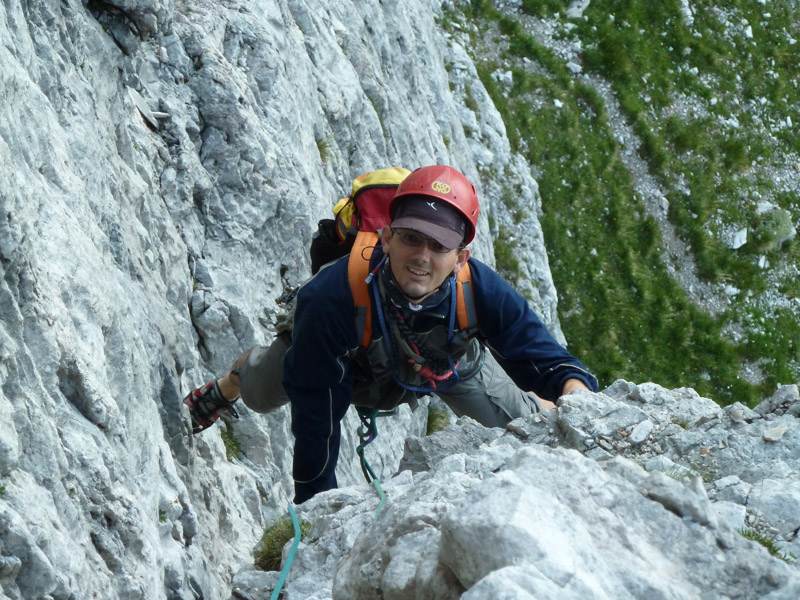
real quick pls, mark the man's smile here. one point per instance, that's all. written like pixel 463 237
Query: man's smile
pixel 417 271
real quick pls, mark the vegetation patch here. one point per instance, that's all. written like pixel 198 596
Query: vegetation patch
pixel 268 553
pixel 708 95
pixel 438 420
pixel 768 541
pixel 506 263
pixel 232 447
pixel 324 147
pixel 773 229
pixel 509 199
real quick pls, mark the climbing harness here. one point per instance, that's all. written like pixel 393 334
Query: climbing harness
pixel 285 571
pixel 434 379
pixel 431 368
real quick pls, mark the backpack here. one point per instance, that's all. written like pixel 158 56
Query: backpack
pixel 354 231
pixel 365 209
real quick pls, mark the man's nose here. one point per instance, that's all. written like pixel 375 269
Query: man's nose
pixel 424 249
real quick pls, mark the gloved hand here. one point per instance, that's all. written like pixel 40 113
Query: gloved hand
pixel 206 405
pixel 541 403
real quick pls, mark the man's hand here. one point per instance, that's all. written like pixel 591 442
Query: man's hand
pixel 546 404
pixel 571 385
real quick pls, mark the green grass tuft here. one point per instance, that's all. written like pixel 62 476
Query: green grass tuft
pixel 437 420
pixel 506 262
pixel 324 147
pixel 267 555
pixel 768 542
pixel 232 447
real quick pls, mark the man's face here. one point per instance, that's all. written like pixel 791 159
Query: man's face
pixel 418 268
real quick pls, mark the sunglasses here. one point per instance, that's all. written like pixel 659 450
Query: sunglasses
pixel 413 239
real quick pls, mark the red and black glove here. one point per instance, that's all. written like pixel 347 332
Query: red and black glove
pixel 206 405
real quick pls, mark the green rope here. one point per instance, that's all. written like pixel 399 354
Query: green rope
pixel 367 432
pixel 377 485
pixel 285 571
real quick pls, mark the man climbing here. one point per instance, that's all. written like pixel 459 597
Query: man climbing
pixel 503 365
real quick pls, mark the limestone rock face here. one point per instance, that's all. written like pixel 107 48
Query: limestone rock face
pixel 520 513
pixel 162 169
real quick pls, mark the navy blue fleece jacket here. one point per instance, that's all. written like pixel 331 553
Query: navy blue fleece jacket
pixel 319 381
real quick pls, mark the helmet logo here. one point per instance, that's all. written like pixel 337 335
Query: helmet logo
pixel 440 187
pixel 432 205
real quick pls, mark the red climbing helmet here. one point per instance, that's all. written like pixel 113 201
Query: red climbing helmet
pixel 446 184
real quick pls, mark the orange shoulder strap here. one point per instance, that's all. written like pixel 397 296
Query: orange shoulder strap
pixel 465 301
pixel 357 271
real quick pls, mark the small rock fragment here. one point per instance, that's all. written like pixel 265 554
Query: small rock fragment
pixel 774 434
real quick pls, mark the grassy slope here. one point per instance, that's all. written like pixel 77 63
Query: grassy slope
pixel 621 311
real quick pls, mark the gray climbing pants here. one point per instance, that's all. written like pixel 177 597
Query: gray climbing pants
pixel 490 396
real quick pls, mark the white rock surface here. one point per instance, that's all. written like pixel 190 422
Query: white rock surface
pixel 521 516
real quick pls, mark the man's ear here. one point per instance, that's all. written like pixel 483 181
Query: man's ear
pixel 386 236
pixel 463 257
